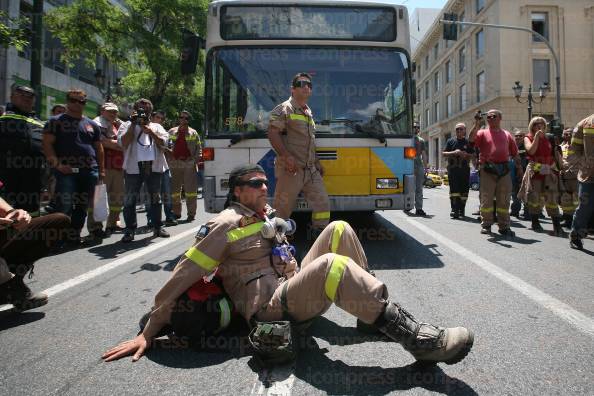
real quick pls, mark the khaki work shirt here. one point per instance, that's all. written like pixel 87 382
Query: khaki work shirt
pixel 298 131
pixel 231 244
pixel 192 140
pixel 581 151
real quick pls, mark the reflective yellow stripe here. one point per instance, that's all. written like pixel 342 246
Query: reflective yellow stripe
pixel 191 194
pixel 225 313
pixel 551 206
pixel 336 234
pixel 568 152
pixel 334 276
pixel 22 118
pixel 201 259
pixel 588 131
pixel 244 232
pixel 487 209
pixel 577 141
pixel 534 205
pixel 115 208
pixel 299 117
pixel 454 195
pixel 176 194
pixel 502 210
pixel 569 208
pixel 320 215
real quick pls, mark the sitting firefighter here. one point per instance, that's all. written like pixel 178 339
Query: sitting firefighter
pixel 246 248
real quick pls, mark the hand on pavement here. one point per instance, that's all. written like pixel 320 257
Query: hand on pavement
pixel 136 347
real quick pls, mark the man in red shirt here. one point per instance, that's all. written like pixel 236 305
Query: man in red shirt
pixel 495 146
pixel 187 149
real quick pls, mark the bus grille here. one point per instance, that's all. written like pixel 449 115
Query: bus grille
pixel 327 155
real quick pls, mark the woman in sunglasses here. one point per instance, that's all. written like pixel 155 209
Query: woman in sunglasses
pixel 540 184
pixel 245 246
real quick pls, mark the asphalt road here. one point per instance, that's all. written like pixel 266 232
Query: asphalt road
pixel 529 300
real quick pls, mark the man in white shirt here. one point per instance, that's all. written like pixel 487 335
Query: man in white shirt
pixel 144 162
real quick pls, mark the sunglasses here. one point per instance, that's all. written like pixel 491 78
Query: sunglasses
pixel 79 101
pixel 302 84
pixel 491 117
pixel 459 129
pixel 184 118
pixel 253 183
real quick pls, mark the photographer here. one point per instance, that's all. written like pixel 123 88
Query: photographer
pixel 144 162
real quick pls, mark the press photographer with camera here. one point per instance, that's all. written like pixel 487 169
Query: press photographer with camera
pixel 143 142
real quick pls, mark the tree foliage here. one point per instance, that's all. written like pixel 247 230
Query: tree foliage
pixel 144 40
pixel 13 31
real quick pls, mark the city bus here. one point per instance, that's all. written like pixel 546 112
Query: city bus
pixel 358 54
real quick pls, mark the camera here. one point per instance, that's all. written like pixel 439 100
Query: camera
pixel 140 117
pixel 479 114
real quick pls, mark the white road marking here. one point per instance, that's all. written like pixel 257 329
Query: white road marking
pixel 59 288
pixel 559 308
pixel 276 381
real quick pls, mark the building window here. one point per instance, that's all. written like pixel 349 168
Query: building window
pixel 540 24
pixel 435 111
pixel 462 59
pixel 448 106
pixel 436 51
pixel 448 72
pixel 418 96
pixel 480 43
pixel 462 97
pixel 426 89
pixel 480 86
pixel 427 63
pixel 540 73
pixel 426 118
pixel 480 4
pixel 461 19
pixel 436 87
pixel 419 71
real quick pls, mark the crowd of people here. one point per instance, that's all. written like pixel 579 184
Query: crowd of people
pixel 70 155
pixel 533 171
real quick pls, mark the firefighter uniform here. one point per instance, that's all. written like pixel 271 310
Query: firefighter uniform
pixel 569 196
pixel 265 286
pixel 581 156
pixel 458 175
pixel 21 159
pixel 187 148
pixel 298 136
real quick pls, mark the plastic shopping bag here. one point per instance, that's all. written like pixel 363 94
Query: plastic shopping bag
pixel 100 207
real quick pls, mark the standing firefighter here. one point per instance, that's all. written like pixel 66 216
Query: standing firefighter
pixel 458 152
pixel 582 157
pixel 187 149
pixel 569 182
pixel 292 135
pixel 495 147
pixel 246 247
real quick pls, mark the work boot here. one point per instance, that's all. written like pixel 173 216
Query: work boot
pixel 420 212
pixel 426 342
pixel 575 242
pixel 535 223
pixel 486 229
pixel 15 292
pixel 557 229
pixel 128 236
pixel 160 233
pixel 568 220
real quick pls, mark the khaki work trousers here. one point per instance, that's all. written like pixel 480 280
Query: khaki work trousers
pixel 183 173
pixel 333 271
pixel 569 198
pixel 544 193
pixel 499 189
pixel 114 184
pixel 288 187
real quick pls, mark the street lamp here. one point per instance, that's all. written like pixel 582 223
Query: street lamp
pixel 542 93
pixel 100 80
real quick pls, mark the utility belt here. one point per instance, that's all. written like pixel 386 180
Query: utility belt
pixel 543 169
pixel 499 169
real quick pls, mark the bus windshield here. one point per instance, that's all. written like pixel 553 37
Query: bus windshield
pixel 356 92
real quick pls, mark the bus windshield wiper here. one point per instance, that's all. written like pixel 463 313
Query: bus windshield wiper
pixel 247 135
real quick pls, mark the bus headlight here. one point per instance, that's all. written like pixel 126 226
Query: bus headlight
pixel 386 183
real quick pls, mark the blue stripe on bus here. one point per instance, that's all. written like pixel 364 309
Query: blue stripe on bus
pixel 394 159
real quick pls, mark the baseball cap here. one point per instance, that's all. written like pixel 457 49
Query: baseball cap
pixel 109 107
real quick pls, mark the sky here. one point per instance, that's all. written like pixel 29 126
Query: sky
pixel 412 4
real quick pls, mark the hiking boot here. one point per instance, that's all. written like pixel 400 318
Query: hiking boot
pixel 557 229
pixel 426 342
pixel 15 292
pixel 128 237
pixel 535 224
pixel 486 229
pixel 507 232
pixel 576 243
pixel 160 233
pixel 420 212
